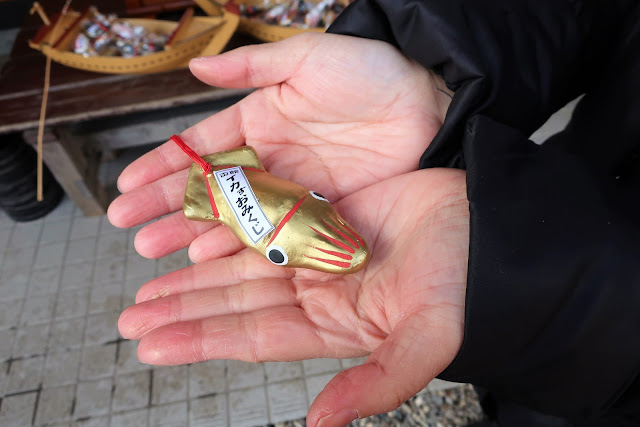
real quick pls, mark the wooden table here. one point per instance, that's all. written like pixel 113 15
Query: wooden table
pixel 80 97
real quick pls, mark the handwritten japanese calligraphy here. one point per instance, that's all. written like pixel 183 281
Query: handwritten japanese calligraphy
pixel 244 203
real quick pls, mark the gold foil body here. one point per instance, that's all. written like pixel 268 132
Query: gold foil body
pixel 309 233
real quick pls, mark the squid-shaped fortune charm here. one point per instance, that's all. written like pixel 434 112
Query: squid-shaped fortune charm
pixel 286 223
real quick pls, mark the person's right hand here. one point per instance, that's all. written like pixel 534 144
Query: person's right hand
pixel 334 113
pixel 405 309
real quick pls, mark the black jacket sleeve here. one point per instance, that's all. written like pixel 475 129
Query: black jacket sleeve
pixel 553 292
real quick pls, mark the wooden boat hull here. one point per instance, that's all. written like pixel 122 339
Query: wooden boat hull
pixel 204 36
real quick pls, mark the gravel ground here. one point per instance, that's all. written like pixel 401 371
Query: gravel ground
pixel 452 407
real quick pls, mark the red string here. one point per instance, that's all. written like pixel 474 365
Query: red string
pixel 212 201
pixel 206 167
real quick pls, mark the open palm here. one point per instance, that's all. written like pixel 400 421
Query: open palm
pixel 334 113
pixel 405 309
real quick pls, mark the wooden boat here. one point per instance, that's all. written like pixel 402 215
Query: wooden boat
pixel 190 37
pixel 268 32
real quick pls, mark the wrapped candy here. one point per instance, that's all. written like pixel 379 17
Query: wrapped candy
pixel 106 36
pixel 294 13
pixel 283 221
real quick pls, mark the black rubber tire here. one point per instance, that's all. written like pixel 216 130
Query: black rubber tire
pixel 18 182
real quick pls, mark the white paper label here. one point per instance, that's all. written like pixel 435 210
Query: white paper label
pixel 244 203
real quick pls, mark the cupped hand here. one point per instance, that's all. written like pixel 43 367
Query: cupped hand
pixel 333 113
pixel 405 310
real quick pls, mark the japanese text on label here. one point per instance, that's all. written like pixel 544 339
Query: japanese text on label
pixel 244 203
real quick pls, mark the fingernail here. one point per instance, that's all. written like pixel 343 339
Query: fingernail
pixel 341 418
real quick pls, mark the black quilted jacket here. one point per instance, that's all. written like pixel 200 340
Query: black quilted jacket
pixel 553 296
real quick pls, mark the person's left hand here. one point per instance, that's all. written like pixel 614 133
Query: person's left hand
pixel 334 114
pixel 406 308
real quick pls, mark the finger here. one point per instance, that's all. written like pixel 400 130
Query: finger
pixel 217 243
pixel 149 202
pixel 219 132
pixel 254 66
pixel 276 333
pixel 170 234
pixel 246 297
pixel 228 271
pixel 400 367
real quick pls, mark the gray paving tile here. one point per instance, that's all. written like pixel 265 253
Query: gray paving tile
pixel 18 260
pixel 170 415
pixel 101 328
pixel 106 227
pixel 98 361
pixel 7 337
pixel 131 287
pixel 18 410
pixel 437 384
pixel 208 411
pixel 112 245
pixel 287 400
pixel 67 333
pixel 80 250
pixel 315 384
pixel 131 391
pixel 31 340
pixel 4 367
pixel 37 309
pixel 128 360
pixel 244 374
pixel 321 366
pixel 83 226
pixel 109 270
pixel 55 404
pixel 105 297
pixel 10 313
pixel 50 255
pixel 248 407
pixel 5 236
pixel 207 378
pixel 100 421
pixel 93 398
pixel 45 281
pixel 25 234
pixel 61 368
pixel 72 303
pixel 138 266
pixel 174 261
pixel 169 384
pixel 350 363
pixel 78 275
pixel 24 375
pixel 56 231
pixel 65 210
pixel 280 371
pixel 139 417
pixel 13 285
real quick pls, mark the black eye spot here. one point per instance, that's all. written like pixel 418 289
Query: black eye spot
pixel 276 256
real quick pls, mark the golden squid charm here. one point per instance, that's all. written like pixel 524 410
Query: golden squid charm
pixel 288 224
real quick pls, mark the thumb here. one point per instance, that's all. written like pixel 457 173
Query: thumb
pixel 256 65
pixel 411 356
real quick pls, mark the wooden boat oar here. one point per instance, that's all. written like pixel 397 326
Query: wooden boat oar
pixel 45 92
